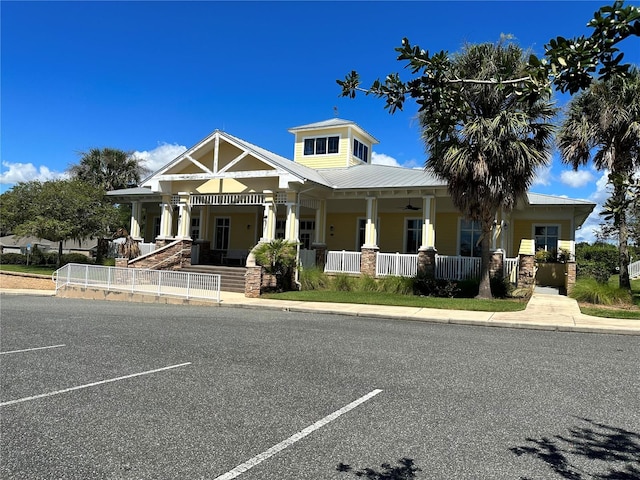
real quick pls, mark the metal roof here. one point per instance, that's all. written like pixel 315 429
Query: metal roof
pixel 332 122
pixel 379 176
pixel 541 199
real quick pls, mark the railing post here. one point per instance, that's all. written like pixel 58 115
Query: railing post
pixel 397 260
pixel 160 281
pixel 86 276
pixel 133 281
pixel 188 284
pixel 109 278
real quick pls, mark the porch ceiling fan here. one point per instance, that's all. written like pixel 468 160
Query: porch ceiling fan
pixel 410 207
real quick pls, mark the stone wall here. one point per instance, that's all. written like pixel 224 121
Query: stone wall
pixel 526 271
pixel 172 256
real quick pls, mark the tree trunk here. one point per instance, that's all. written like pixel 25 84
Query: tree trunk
pixel 59 262
pixel 484 289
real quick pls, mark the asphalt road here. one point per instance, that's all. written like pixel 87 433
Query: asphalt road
pixel 458 402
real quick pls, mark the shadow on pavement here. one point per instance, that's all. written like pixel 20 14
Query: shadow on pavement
pixel 405 470
pixel 613 451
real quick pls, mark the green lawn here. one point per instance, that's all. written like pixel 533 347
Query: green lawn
pixel 37 269
pixel 617 312
pixel 375 298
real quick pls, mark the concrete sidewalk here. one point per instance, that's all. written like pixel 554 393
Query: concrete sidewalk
pixel 543 312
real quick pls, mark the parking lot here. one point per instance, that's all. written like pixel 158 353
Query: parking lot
pixel 136 391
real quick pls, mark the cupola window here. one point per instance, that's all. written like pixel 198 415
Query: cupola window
pixel 321 145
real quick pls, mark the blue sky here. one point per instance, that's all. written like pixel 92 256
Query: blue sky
pixel 157 77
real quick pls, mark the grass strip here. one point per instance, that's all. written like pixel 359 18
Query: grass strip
pixel 376 298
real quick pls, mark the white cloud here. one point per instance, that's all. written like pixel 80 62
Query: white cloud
pixel 382 159
pixel 160 156
pixel 13 173
pixel 576 179
pixel 593 221
pixel 543 176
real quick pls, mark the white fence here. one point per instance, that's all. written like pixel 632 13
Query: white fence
pixel 457 268
pixel 136 280
pixel 342 262
pixel 406 265
pixel 634 269
pixel 396 264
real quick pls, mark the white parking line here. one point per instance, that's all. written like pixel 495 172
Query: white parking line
pixel 58 392
pixel 243 467
pixel 32 349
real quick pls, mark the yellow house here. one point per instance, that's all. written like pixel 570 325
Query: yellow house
pixel 225 195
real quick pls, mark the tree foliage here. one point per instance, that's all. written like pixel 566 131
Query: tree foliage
pixel 109 168
pixel 441 90
pixel 603 124
pixel 56 210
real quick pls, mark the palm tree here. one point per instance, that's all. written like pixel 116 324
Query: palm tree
pixel 490 148
pixel 109 168
pixel 603 125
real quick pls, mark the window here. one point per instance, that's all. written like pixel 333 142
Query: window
pixel 223 225
pixel 306 233
pixel 413 237
pixel 546 237
pixel 280 227
pixel 195 227
pixel 360 150
pixel 470 232
pixel 321 145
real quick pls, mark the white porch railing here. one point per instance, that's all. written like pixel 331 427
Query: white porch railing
pixel 342 262
pixel 510 269
pixel 634 269
pixel 136 280
pixel 457 268
pixel 146 248
pixel 396 264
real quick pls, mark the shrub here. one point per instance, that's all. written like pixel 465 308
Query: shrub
pixel 597 271
pixel 591 291
pixel 13 259
pixel 313 279
pixel 435 288
pixel 397 285
pixel 75 258
pixel 468 288
pixel 366 283
pixel 604 254
pixel 501 287
pixel 342 283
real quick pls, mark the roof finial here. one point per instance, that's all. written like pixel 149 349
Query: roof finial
pixel 335 111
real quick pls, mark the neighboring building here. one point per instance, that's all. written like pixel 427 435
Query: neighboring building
pixel 15 244
pixel 226 195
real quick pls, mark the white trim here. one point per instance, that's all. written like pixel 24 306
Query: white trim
pixel 234 162
pixel 198 164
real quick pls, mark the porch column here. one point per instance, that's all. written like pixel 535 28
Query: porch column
pixel 204 221
pixel 320 240
pixel 269 217
pixel 292 225
pixel 370 232
pixel 428 222
pixel 166 220
pixel 136 215
pixel 320 235
pixel 184 216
